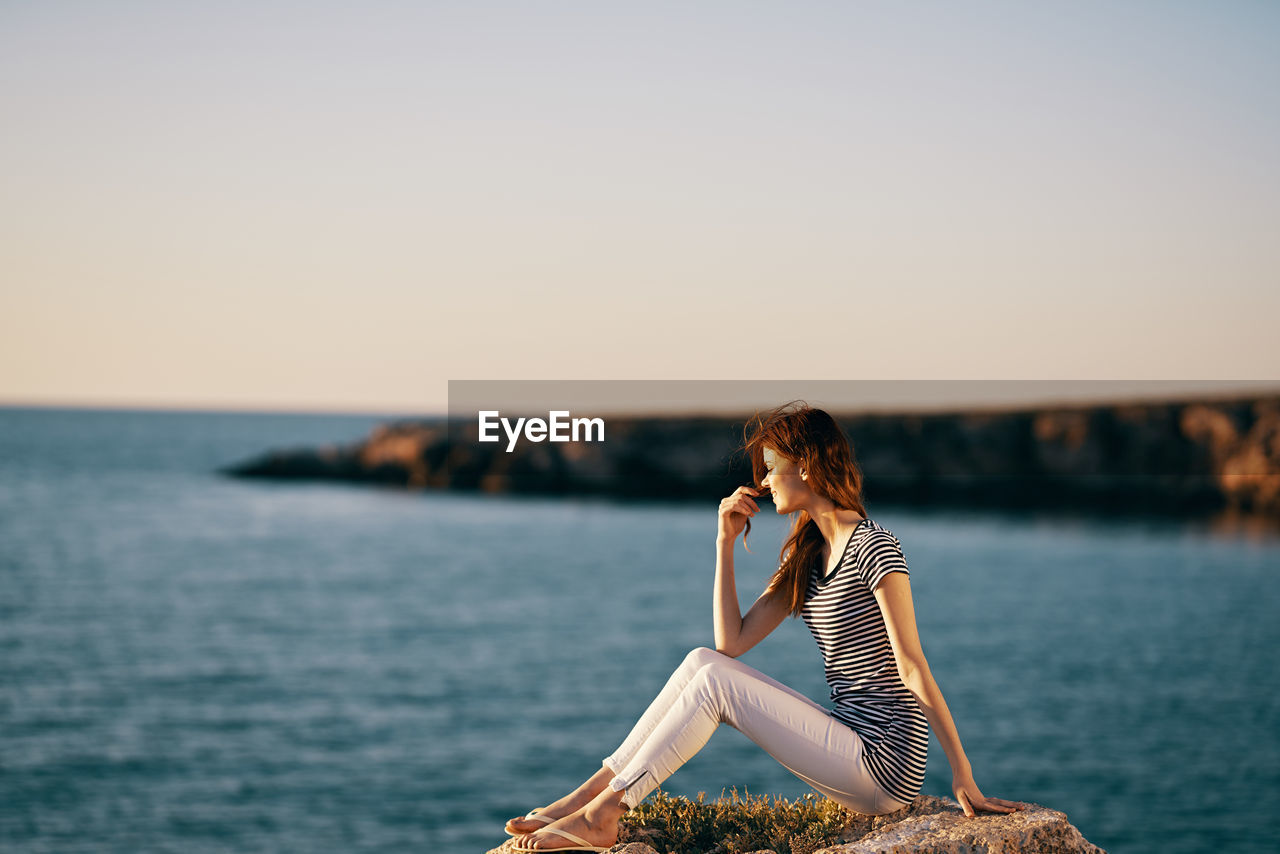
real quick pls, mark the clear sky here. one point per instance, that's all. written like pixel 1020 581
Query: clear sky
pixel 343 206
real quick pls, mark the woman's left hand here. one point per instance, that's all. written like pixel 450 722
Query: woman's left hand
pixel 972 799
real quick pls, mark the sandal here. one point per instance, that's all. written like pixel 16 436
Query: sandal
pixel 586 846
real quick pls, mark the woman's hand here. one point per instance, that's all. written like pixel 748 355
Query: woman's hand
pixel 971 798
pixel 735 510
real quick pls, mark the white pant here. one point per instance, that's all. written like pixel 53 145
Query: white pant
pixel 711 688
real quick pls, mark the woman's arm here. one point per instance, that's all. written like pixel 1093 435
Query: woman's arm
pixel 735 634
pixel 894 595
pixel 726 614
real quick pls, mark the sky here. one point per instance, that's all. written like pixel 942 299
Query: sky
pixel 330 206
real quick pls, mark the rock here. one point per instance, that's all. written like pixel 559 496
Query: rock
pixel 939 826
pixel 936 826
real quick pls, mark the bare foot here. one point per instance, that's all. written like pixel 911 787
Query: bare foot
pixel 518 826
pixel 598 827
pixel 565 806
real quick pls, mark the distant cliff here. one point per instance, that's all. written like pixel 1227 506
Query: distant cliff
pixel 1188 457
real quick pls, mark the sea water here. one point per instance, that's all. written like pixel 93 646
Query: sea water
pixel 191 662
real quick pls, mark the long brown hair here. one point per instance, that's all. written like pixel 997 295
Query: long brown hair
pixel 811 438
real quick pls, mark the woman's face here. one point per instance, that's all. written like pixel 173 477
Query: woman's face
pixel 783 481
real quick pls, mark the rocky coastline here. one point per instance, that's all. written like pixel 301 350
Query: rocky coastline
pixel 1187 458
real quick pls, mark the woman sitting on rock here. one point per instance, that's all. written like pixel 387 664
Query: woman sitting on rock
pixel 846 576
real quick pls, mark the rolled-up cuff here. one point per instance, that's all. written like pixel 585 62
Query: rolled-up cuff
pixel 635 786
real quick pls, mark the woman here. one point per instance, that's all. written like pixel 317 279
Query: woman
pixel 846 576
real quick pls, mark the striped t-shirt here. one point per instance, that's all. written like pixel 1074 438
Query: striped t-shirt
pixel 869 696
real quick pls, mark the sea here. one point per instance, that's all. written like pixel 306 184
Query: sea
pixel 191 662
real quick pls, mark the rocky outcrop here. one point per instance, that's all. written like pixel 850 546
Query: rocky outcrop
pixel 941 826
pixel 932 825
pixel 1191 457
